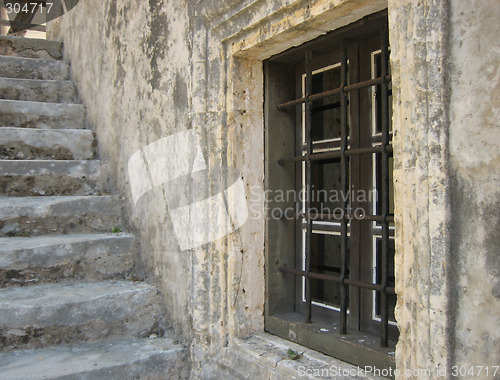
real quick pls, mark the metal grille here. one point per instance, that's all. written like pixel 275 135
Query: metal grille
pixel 384 150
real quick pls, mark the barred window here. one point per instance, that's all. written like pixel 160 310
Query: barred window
pixel 330 224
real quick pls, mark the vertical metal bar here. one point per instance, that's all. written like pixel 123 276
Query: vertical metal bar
pixel 344 130
pixel 308 116
pixel 384 312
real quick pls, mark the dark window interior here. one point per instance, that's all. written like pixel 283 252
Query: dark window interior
pixel 330 268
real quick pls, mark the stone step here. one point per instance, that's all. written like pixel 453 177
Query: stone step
pixel 33 68
pixel 35 216
pixel 58 257
pixel 30 47
pixel 40 315
pixel 52 91
pixel 60 144
pixel 24 114
pixel 52 177
pixel 151 359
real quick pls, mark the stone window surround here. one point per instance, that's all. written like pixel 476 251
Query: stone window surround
pixel 249 32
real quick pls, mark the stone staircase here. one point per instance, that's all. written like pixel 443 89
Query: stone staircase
pixel 71 305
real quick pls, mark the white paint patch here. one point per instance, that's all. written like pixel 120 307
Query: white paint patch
pixel 198 217
pixel 174 156
pixel 138 176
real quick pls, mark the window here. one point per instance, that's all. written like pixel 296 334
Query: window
pixel 329 194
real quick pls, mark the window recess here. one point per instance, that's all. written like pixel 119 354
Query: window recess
pixel 330 263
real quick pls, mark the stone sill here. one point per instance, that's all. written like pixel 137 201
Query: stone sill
pixel 264 356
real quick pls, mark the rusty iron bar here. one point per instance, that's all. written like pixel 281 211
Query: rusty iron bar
pixel 337 154
pixel 336 91
pixel 337 279
pixel 384 306
pixel 308 116
pixel 344 163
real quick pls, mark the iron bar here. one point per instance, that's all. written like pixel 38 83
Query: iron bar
pixel 336 91
pixel 308 121
pixel 337 279
pixel 337 154
pixel 344 132
pixel 384 307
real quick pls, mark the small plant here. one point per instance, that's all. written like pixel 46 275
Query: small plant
pixel 116 230
pixel 22 234
pixel 176 342
pixel 293 355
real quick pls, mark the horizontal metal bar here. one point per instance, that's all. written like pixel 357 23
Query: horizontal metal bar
pixel 337 154
pixel 338 90
pixel 337 279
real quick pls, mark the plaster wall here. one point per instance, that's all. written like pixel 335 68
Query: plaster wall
pixel 131 62
pixel 475 182
pixel 147 70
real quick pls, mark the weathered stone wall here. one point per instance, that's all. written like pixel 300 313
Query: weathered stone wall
pixel 131 61
pixel 419 48
pixel 445 73
pixel 474 80
pixel 148 70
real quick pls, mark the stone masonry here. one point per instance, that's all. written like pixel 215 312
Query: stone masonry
pixel 72 304
pixel 147 70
